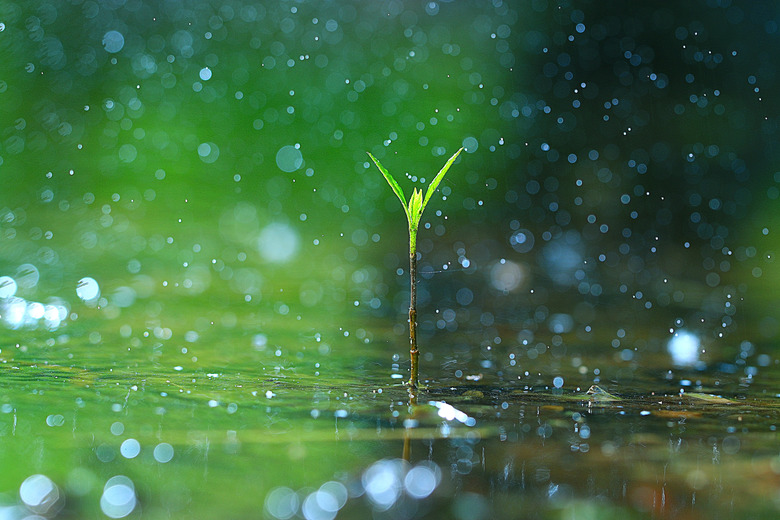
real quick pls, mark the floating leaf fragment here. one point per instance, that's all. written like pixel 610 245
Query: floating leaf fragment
pixel 710 398
pixel 597 393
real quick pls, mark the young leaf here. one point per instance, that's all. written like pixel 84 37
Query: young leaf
pixel 415 207
pixel 418 200
pixel 392 182
pixel 439 176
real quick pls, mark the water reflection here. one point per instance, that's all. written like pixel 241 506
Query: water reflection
pixel 551 449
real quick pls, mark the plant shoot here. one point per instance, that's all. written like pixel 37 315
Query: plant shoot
pixel 414 209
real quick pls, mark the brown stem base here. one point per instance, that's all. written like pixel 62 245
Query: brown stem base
pixel 412 383
pixel 413 352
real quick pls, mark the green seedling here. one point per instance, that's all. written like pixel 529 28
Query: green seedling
pixel 414 210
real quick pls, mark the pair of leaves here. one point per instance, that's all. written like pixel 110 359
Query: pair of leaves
pixel 416 205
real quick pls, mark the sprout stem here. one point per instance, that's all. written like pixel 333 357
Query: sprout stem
pixel 414 209
pixel 413 352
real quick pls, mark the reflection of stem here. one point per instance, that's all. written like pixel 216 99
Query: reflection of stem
pixel 407 455
pixel 414 353
pixel 409 425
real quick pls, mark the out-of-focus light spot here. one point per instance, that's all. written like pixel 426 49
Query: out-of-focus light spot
pixel 338 491
pixel 278 242
pixel 561 259
pixel 522 240
pixel 123 296
pixel 88 289
pixel 560 323
pixel 326 502
pixel 35 310
pixel 8 287
pixel 130 448
pixel 55 420
pixel 558 382
pixel 27 276
pixel 127 153
pixel 382 482
pixel 54 315
pixel 208 152
pixel 470 144
pixel 422 480
pixel 450 413
pixel 319 506
pixel 282 503
pixel 684 348
pixel 13 311
pixel 289 158
pixel 163 452
pixel 205 74
pixel 40 494
pixel 507 276
pixel 464 296
pixel 113 41
pixel 118 499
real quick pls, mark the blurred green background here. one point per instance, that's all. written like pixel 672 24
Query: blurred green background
pixel 631 145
